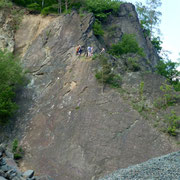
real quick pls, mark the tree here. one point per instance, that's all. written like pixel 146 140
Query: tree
pixel 149 15
pixel 168 69
pixel 59 6
pixel 66 5
pixel 10 77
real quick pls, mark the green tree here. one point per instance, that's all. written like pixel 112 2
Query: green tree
pixel 168 69
pixel 149 15
pixel 102 8
pixel 11 76
pixel 156 41
pixel 5 3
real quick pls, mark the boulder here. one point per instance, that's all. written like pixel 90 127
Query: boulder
pixel 28 174
pixel 2 178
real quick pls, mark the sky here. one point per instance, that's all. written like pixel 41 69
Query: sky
pixel 170 26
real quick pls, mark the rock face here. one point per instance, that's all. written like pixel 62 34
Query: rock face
pixel 165 167
pixel 76 130
pixel 35 25
pixel 127 22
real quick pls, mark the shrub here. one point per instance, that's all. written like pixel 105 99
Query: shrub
pixel 97 29
pixel 17 150
pixel 10 77
pixel 17 18
pixel 21 2
pixel 157 43
pixel 45 11
pixel 168 69
pixel 112 30
pixel 5 4
pixel 15 145
pixel 81 12
pixel 173 123
pixel 141 90
pixel 176 85
pixel 128 44
pixel 169 97
pixel 102 8
pixel 106 75
pixel 34 7
pixel 132 64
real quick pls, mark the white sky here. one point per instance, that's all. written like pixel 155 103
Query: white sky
pixel 170 26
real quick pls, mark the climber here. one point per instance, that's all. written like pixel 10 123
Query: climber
pixel 102 51
pixel 79 50
pixel 88 51
pixel 91 51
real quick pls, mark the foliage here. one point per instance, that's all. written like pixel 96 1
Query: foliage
pixel 169 97
pixel 34 7
pixel 102 8
pixel 176 85
pixel 140 106
pixel 141 90
pixel 10 77
pixel 5 4
pixel 132 64
pixel 149 15
pixel 169 70
pixel 157 43
pixel 14 145
pixel 81 11
pixel 173 122
pixel 106 74
pixel 97 29
pixel 47 10
pixel 128 44
pixel 17 150
pixel 17 18
pixel 112 30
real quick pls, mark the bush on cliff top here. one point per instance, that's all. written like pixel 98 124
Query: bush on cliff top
pixel 10 77
pixel 100 8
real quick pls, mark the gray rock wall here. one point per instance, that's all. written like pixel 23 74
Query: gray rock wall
pixel 127 22
pixel 76 130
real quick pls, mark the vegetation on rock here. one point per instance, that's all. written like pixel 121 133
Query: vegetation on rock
pixel 5 4
pixel 169 70
pixel 105 74
pixel 149 16
pixel 11 76
pixel 17 150
pixel 173 123
pixel 100 8
pixel 97 28
pixel 128 44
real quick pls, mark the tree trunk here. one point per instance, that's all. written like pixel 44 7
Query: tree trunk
pixel 59 6
pixel 66 5
pixel 42 4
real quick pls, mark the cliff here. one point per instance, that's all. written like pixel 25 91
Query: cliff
pixel 69 124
